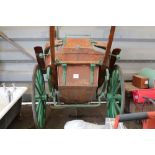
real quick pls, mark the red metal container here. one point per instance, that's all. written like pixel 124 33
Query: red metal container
pixel 140 93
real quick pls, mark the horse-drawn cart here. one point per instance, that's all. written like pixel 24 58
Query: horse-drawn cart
pixel 78 75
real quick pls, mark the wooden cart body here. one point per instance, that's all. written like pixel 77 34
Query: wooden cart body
pixel 77 73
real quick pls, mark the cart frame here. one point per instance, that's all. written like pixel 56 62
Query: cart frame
pixel 110 83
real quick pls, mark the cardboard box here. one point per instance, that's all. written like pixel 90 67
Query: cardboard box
pixel 141 82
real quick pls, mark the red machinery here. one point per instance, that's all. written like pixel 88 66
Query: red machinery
pixel 147 117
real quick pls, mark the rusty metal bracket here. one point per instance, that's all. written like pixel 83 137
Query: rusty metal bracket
pixel 94 104
pixel 92 68
pixel 64 66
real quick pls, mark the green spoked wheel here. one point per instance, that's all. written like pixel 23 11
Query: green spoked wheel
pixel 115 93
pixel 39 98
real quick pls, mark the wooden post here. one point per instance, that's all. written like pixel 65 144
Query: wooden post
pixel 109 44
pixel 52 49
pixel 106 57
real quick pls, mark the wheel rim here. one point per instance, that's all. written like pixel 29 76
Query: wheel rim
pixel 115 93
pixel 39 98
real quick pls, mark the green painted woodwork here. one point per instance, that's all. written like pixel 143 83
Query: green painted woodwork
pixel 49 79
pixel 64 66
pixel 39 99
pixel 42 55
pixel 101 93
pixel 115 93
pixel 97 104
pixel 150 73
pixel 92 68
pixel 117 56
pixel 50 86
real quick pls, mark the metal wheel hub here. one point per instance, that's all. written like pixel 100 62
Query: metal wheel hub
pixel 111 97
pixel 41 98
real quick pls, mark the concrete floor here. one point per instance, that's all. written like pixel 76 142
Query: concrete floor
pixel 56 118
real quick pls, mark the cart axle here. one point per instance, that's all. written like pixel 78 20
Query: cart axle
pixel 88 105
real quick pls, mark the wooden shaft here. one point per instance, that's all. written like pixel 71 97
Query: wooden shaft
pixel 52 42
pixel 52 49
pixel 109 44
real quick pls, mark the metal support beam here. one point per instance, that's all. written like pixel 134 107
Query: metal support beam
pixel 87 105
pixel 5 37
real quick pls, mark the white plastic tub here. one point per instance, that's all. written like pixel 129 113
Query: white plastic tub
pixel 10 104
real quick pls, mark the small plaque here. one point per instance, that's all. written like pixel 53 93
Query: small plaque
pixel 75 76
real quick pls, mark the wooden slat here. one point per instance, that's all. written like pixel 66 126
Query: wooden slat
pixel 78 62
pixel 100 44
pixel 129 87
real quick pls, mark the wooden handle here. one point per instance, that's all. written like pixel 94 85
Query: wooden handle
pixel 52 49
pixel 109 44
pixel 52 43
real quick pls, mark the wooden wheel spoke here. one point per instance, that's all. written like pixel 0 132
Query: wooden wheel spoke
pixel 38 90
pixel 115 79
pixel 37 107
pixel 118 97
pixel 117 107
pixel 115 93
pixel 38 98
pixel 117 88
pixel 114 113
pixel 41 78
pixel 112 80
pixel 111 85
pixel 40 81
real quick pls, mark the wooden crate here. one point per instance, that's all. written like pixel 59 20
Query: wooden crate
pixel 140 81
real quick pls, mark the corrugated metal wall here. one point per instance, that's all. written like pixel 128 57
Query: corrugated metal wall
pixel 137 44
